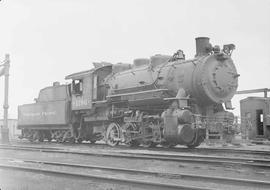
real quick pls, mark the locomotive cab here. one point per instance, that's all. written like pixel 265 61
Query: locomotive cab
pixel 88 98
pixel 81 90
pixel 88 87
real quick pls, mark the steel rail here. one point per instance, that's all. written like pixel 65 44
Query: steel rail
pixel 145 183
pixel 218 150
pixel 174 149
pixel 184 176
pixel 178 149
pixel 248 162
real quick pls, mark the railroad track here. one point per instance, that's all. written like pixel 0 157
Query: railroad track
pixel 216 150
pixel 202 180
pixel 172 149
pixel 144 184
pixel 202 159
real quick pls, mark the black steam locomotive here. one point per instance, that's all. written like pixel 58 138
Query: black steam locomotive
pixel 165 100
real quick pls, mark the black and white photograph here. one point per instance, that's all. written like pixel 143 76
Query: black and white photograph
pixel 134 94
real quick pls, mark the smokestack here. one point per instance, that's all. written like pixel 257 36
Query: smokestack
pixel 203 47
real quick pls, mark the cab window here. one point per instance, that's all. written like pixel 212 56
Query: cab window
pixel 95 82
pixel 77 87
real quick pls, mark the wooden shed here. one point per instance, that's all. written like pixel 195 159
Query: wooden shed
pixel 257 111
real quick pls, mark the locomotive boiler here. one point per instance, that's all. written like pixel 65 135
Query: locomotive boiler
pixel 165 100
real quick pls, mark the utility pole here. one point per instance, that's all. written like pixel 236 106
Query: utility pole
pixel 4 130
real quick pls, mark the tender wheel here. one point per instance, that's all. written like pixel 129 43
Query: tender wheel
pixel 48 136
pixel 40 139
pixel 38 135
pixel 67 137
pixel 113 134
pixel 58 136
pixel 49 139
pixel 72 140
pixel 59 140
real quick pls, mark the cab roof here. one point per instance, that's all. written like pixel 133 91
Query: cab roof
pixel 82 74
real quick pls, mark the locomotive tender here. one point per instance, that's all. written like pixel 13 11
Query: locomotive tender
pixel 162 100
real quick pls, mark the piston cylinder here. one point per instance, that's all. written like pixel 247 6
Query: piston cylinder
pixel 184 116
pixel 175 132
pixel 185 134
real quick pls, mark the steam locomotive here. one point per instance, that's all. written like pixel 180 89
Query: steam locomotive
pixel 165 100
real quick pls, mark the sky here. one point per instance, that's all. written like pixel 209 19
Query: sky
pixel 48 40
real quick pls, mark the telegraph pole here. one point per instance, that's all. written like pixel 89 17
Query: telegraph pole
pixel 4 130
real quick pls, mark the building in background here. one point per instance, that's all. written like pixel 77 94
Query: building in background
pixel 255 115
pixel 12 125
